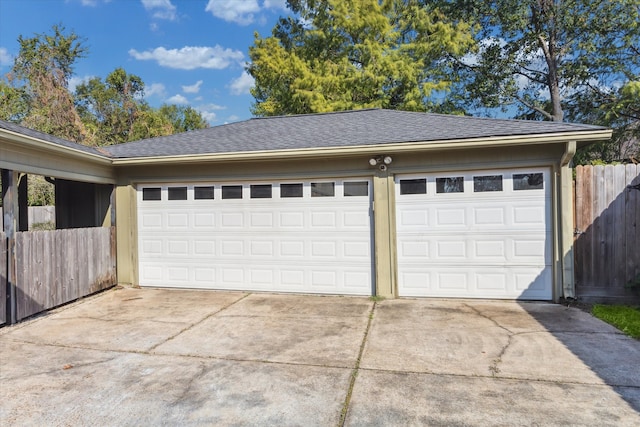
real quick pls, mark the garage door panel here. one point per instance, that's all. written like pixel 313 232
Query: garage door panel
pixel 465 243
pixel 413 217
pixel 292 220
pixel 261 219
pixel 477 282
pixel 298 244
pixel 151 220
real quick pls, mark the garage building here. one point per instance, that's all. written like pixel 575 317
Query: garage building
pixel 367 202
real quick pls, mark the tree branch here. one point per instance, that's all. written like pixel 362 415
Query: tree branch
pixel 534 107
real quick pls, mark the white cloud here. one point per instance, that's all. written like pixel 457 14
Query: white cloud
pixel 242 84
pixel 155 89
pixel 5 57
pixel 275 4
pixel 194 88
pixel 76 81
pixel 209 116
pixel 191 57
pixel 208 111
pixel 238 11
pixel 178 99
pixel 161 9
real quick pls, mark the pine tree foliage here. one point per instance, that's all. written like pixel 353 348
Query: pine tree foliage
pixel 333 55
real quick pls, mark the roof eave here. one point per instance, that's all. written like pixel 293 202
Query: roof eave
pixel 580 137
pixel 29 143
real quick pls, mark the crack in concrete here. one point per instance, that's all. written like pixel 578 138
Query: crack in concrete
pixel 198 322
pixel 356 368
pixel 493 367
pixel 187 388
pixel 70 366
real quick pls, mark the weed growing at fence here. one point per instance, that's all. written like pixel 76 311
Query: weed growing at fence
pixel 625 318
pixel 39 226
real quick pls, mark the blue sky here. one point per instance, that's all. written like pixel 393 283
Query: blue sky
pixel 188 52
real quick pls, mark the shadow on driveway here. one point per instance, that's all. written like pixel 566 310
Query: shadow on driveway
pixel 611 356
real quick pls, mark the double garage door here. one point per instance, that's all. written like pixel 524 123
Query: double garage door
pixel 482 234
pixel 303 236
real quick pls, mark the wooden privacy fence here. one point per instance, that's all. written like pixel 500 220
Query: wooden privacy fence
pixel 607 245
pixel 56 267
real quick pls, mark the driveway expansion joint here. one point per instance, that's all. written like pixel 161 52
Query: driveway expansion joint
pixel 190 326
pixel 356 368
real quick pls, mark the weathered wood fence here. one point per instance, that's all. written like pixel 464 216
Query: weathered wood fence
pixel 56 267
pixel 607 245
pixel 38 214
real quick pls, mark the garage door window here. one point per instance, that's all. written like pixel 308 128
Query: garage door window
pixel 261 191
pixel 323 189
pixel 203 193
pixel 450 185
pixel 487 183
pixel 528 181
pixel 177 193
pixel 291 190
pixel 413 186
pixel 360 188
pixel 154 193
pixel 232 191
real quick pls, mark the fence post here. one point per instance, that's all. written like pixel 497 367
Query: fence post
pixel 10 216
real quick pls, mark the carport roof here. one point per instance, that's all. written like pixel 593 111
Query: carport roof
pixel 12 127
pixel 371 127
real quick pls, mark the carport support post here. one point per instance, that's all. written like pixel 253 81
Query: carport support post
pixel 384 233
pixel 10 210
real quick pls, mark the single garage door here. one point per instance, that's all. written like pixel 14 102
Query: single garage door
pixel 294 236
pixel 480 234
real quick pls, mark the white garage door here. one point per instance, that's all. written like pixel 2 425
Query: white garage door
pixel 482 234
pixel 302 236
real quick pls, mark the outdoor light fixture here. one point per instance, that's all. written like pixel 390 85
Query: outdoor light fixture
pixel 383 161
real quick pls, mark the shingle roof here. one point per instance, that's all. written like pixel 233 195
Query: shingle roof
pixel 328 130
pixel 341 129
pixel 49 138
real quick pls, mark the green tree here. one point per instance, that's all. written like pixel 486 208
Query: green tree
pixel 39 80
pixel 347 54
pixel 110 108
pixel 615 108
pixel 114 111
pixel 14 102
pixel 538 55
pixel 183 118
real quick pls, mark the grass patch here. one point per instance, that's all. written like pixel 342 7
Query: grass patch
pixel 623 317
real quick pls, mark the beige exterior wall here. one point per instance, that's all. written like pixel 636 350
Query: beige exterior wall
pixel 384 245
pixel 126 234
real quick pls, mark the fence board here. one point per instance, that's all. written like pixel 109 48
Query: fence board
pixel 607 252
pixel 56 267
pixel 633 222
pixel 3 278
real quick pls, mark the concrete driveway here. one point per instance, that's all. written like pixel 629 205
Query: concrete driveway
pixel 173 357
